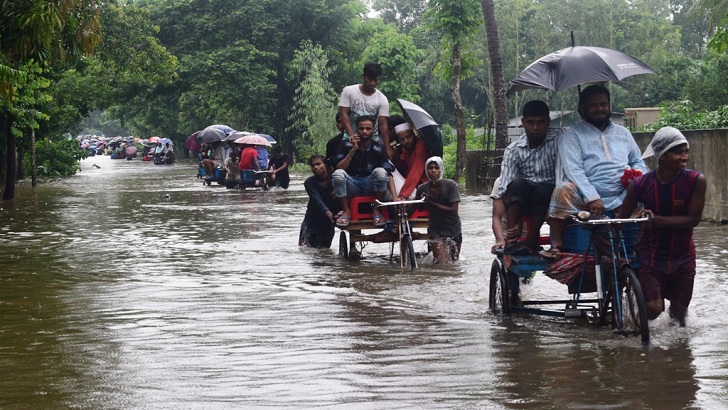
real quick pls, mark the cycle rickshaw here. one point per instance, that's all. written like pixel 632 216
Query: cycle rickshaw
pixel 602 285
pixel 400 228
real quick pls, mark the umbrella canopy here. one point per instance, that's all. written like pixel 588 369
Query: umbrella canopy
pixel 253 139
pixel 577 65
pixel 269 138
pixel 210 134
pixel 223 128
pixel 237 134
pixel 426 127
pixel 166 141
pixel 191 142
pixel 153 140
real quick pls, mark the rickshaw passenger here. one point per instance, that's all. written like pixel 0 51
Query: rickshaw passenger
pixel 410 162
pixel 215 159
pixel 442 199
pixel 528 175
pixel 317 229
pixel 597 156
pixel 362 170
pixel 674 196
pixel 248 163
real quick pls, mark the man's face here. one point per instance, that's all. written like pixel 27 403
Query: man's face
pixel 596 110
pixel 536 127
pixel 318 167
pixel 407 139
pixel 433 171
pixel 676 157
pixel 369 84
pixel 365 130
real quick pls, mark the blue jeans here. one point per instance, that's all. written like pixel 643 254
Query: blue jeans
pixel 346 185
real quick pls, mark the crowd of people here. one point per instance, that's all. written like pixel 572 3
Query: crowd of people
pixel 246 164
pixel 380 156
pixel 548 175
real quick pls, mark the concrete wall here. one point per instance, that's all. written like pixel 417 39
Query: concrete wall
pixel 708 154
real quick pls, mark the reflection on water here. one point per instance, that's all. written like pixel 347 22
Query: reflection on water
pixel 135 286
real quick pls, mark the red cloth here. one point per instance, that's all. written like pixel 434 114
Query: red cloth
pixel 248 158
pixel 415 172
pixel 629 175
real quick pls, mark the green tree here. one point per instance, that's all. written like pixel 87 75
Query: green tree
pixel 458 21
pixel 399 57
pixel 496 68
pixel 314 105
pixel 47 32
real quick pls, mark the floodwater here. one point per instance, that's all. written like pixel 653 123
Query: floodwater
pixel 133 286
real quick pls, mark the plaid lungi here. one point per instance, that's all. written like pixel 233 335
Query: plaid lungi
pixel 566 200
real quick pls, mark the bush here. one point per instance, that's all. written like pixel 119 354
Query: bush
pixel 683 116
pixel 56 158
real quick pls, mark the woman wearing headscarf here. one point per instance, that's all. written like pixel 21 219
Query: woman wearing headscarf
pixel 441 199
pixel 674 197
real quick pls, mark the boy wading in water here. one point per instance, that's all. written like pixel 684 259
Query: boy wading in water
pixel 674 197
pixel 442 199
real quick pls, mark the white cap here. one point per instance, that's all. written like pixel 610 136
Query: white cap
pixel 402 127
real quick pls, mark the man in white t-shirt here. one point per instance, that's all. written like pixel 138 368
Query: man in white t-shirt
pixel 364 99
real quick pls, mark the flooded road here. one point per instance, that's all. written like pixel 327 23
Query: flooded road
pixel 133 286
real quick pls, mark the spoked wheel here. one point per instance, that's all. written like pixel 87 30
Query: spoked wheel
pixel 343 245
pixel 632 310
pixel 407 252
pixel 499 300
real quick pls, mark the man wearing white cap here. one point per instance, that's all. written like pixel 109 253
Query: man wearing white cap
pixel 674 197
pixel 411 161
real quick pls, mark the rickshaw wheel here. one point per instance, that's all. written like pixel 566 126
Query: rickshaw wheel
pixel 407 252
pixel 498 296
pixel 343 245
pixel 632 304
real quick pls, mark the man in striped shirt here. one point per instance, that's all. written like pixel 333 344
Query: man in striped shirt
pixel 528 174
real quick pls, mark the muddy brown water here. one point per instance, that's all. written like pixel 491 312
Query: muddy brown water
pixel 133 286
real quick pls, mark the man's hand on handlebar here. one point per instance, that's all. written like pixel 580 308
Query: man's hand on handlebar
pixel 596 207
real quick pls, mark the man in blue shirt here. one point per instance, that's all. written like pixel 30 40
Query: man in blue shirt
pixel 594 155
pixel 528 175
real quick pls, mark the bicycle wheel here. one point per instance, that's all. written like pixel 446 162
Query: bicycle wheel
pixel 407 252
pixel 632 303
pixel 343 245
pixel 499 300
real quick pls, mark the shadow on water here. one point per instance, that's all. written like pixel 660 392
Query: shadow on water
pixel 135 286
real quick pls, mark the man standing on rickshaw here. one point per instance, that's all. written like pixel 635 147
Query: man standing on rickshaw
pixel 674 197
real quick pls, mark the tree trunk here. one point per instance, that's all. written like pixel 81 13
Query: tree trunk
pixel 21 164
pixel 10 162
pixel 496 68
pixel 33 172
pixel 461 157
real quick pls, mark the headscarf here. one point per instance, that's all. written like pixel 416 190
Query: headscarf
pixel 439 163
pixel 664 139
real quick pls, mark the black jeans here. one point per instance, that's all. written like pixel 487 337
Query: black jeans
pixel 533 198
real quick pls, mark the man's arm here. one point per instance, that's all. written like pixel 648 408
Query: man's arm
pixel 384 132
pixel 508 169
pixel 414 174
pixel 346 120
pixel 629 203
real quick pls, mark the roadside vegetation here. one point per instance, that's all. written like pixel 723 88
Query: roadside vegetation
pixel 172 67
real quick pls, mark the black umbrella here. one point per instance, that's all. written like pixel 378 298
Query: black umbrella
pixel 577 65
pixel 426 127
pixel 211 134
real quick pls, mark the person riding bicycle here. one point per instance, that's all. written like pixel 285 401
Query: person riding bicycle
pixel 674 197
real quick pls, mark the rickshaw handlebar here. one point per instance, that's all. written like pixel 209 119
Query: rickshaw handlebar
pixel 609 221
pixel 378 203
